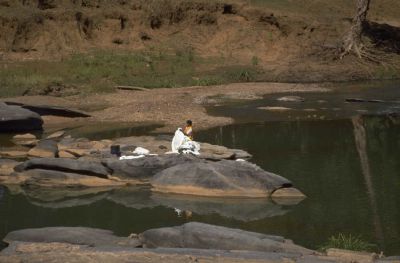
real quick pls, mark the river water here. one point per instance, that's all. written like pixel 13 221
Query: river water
pixel 348 166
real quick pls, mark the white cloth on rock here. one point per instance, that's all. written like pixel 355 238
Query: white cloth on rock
pixel 183 144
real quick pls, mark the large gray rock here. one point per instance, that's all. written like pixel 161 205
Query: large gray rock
pixel 16 119
pixel 144 168
pixel 204 236
pixel 223 178
pixel 88 168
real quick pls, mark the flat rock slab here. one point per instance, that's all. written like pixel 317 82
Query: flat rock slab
pixel 57 179
pixel 64 252
pixel 16 119
pixel 222 178
pixel 146 167
pixel 88 168
pixel 44 110
pixel 44 149
pixel 205 236
pixel 71 235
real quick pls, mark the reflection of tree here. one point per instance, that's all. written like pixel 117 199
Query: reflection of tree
pixel 360 137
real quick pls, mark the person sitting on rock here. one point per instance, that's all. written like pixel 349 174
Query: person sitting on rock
pixel 188 131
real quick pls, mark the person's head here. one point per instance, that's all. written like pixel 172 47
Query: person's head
pixel 189 123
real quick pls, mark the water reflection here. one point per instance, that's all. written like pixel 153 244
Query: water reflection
pixel 244 209
pixel 348 169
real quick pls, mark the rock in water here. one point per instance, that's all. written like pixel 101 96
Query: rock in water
pixel 204 236
pixel 145 168
pixel 16 119
pixel 45 149
pixel 223 178
pixel 56 179
pixel 89 168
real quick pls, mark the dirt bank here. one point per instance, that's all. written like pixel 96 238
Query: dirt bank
pixel 170 107
pixel 248 40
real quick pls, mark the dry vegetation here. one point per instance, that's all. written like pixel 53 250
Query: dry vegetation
pixel 63 47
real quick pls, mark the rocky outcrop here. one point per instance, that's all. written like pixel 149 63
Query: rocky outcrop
pixel 223 178
pixel 191 242
pixel 146 168
pixel 56 179
pixel 204 236
pixel 88 168
pixel 71 235
pixel 16 119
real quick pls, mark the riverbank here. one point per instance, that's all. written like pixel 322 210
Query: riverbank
pixel 169 107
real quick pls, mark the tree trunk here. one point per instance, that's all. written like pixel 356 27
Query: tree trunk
pixel 352 40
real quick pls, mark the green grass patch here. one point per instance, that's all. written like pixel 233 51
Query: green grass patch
pixel 348 242
pixel 101 71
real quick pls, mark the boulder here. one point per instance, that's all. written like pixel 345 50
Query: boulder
pixel 56 179
pixel 88 168
pixel 223 178
pixel 204 236
pixel 146 167
pixel 44 149
pixel 16 119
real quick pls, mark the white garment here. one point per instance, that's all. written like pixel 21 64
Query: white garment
pixel 182 143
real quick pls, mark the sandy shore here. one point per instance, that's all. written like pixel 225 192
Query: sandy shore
pixel 168 106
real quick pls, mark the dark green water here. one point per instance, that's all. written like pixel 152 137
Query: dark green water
pixel 320 157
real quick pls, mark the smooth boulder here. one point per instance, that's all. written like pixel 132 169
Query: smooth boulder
pixel 146 167
pixel 16 119
pixel 205 236
pixel 223 178
pixel 89 168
